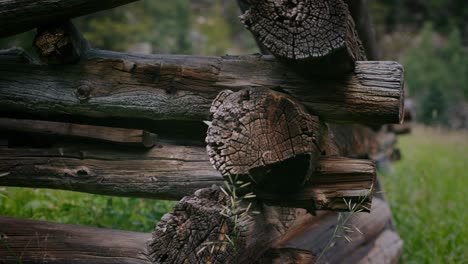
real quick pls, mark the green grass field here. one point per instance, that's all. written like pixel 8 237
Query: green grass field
pixel 426 194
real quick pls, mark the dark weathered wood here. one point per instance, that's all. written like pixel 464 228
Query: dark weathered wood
pixel 385 249
pixel 360 13
pixel 200 224
pixel 164 172
pixel 136 137
pixel 17 16
pixel 330 185
pixel 197 230
pixel 265 137
pixel 313 33
pixel 60 43
pixel 46 242
pixel 168 87
pixel 315 234
pixel 287 256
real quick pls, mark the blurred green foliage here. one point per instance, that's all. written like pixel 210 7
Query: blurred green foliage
pixel 164 25
pixel 438 76
pixel 86 209
pixel 426 193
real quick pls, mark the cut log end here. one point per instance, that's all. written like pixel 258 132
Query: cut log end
pixel 288 28
pixel 263 136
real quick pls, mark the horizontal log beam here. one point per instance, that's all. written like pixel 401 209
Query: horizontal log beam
pixel 135 137
pixel 166 172
pixel 316 234
pixel 171 87
pixel 18 16
pixel 31 241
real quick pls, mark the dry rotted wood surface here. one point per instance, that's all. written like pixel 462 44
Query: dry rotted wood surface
pixel 60 43
pixel 303 31
pixel 171 87
pixel 135 137
pixel 31 241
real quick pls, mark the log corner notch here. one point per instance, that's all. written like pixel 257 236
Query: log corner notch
pixel 268 139
pixel 262 135
pixel 316 32
pixel 60 43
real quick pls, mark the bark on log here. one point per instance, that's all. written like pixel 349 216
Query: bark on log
pixel 168 87
pixel 44 242
pixel 135 137
pixel 60 43
pixel 164 172
pixel 17 16
pixel 286 256
pixel 313 33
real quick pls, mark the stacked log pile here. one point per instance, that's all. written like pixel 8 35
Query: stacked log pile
pixel 291 139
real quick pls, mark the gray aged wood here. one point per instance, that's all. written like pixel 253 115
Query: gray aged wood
pixel 60 43
pixel 386 248
pixel 314 234
pixel 265 137
pixel 128 136
pixel 306 33
pixel 171 87
pixel 199 229
pixel 46 242
pixel 17 16
pixel 164 172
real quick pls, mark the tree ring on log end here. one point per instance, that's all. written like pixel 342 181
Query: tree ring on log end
pixel 263 136
pixel 298 29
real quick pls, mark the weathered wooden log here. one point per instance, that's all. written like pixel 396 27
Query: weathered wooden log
pixel 317 234
pixel 206 227
pixel 17 16
pixel 31 241
pixel 164 172
pixel 265 137
pixel 385 249
pixel 286 256
pixel 168 87
pixel 60 43
pixel 135 137
pixel 313 33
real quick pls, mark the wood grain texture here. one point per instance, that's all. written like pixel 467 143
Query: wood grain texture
pixel 197 230
pixel 164 172
pixel 264 137
pixel 386 248
pixel 313 33
pixel 171 87
pixel 46 242
pixel 60 43
pixel 316 233
pixel 135 137
pixel 17 16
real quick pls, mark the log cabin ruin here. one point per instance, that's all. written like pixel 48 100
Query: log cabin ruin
pixel 262 151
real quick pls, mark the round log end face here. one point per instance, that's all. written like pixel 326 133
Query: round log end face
pixel 298 29
pixel 195 232
pixel 262 136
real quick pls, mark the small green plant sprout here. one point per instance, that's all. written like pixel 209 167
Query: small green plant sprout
pixel 4 243
pixel 236 209
pixel 343 228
